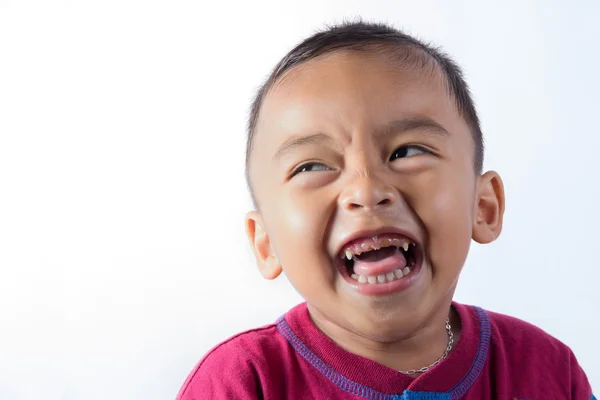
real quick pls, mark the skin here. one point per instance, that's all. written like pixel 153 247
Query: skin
pixel 358 181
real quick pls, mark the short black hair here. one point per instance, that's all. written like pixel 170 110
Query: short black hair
pixel 362 35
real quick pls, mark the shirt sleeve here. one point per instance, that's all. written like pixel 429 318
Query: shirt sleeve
pixel 580 386
pixel 222 374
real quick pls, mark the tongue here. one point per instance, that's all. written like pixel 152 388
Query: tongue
pixel 376 262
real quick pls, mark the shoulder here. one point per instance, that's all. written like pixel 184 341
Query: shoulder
pixel 529 351
pixel 244 345
pixel 516 332
pixel 232 369
pixel 501 330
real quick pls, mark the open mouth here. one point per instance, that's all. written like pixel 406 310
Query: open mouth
pixel 380 259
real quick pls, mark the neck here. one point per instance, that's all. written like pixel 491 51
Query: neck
pixel 416 348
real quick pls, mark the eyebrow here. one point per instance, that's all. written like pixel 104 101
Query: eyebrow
pixel 410 124
pixel 391 128
pixel 319 139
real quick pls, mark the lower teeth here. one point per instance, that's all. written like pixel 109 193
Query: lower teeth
pixel 383 278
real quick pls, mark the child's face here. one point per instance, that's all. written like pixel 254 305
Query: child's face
pixel 352 112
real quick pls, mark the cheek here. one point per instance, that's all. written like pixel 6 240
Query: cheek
pixel 300 226
pixel 447 217
pixel 296 229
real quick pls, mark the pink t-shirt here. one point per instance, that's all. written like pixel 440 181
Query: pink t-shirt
pixel 497 357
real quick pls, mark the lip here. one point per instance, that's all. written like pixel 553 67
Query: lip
pixel 374 232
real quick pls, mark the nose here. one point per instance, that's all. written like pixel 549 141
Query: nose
pixel 368 194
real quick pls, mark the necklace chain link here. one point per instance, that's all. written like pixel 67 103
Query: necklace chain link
pixel 450 343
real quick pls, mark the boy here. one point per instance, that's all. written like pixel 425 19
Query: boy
pixel 365 164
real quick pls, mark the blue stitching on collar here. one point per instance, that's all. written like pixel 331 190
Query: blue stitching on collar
pixel 338 379
pixel 480 359
pixel 366 392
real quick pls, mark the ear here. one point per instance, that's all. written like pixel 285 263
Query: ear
pixel 267 261
pixel 489 208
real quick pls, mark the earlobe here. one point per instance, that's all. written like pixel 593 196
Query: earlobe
pixel 271 269
pixel 489 208
pixel 267 261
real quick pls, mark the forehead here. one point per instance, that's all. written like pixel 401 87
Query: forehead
pixel 346 92
pixel 358 73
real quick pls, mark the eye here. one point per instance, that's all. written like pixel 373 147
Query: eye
pixel 407 151
pixel 310 167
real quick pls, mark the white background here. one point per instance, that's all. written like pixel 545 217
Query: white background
pixel 123 257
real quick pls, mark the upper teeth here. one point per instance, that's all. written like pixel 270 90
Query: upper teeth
pixel 374 243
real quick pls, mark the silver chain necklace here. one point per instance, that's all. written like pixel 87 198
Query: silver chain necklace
pixel 450 343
